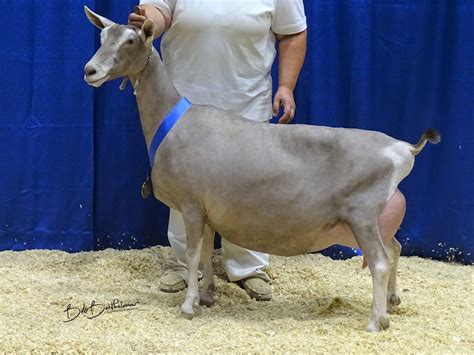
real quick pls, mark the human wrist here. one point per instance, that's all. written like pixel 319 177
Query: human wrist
pixel 287 87
pixel 155 15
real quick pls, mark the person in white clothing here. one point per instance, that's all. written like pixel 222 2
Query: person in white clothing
pixel 220 53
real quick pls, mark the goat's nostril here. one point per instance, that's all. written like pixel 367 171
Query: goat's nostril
pixel 90 71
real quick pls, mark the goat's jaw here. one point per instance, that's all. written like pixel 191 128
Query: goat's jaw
pixel 96 82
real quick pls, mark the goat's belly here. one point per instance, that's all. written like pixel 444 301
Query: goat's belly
pixel 288 241
pixel 337 234
pixel 271 244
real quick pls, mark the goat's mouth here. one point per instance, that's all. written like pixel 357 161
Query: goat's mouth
pixel 96 82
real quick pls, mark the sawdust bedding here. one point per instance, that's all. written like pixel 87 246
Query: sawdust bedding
pixel 319 306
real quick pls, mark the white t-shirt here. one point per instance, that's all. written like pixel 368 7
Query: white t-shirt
pixel 220 52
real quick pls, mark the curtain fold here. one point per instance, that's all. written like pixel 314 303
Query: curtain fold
pixel 46 130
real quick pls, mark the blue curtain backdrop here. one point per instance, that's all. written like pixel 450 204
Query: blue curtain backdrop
pixel 73 158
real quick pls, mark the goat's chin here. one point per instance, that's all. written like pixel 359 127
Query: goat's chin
pixel 97 82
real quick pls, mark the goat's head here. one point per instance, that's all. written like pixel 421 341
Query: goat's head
pixel 124 50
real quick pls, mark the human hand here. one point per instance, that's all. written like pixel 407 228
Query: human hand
pixel 284 97
pixel 137 17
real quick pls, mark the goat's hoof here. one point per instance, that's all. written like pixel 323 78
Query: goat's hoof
pixel 384 323
pixel 206 298
pixel 375 326
pixel 395 300
pixel 392 301
pixel 207 301
pixel 187 313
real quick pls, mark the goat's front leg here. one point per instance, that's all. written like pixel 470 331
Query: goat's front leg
pixel 207 294
pixel 194 223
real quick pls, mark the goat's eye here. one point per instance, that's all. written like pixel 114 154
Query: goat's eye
pixel 130 41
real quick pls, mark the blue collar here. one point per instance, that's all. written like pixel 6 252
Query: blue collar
pixel 175 114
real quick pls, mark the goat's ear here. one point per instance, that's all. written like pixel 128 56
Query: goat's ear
pixel 147 32
pixel 97 20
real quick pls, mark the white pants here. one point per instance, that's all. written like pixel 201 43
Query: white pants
pixel 239 263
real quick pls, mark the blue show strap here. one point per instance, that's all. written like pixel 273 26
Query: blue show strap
pixel 171 118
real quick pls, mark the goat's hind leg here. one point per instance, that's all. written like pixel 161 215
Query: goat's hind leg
pixel 393 299
pixel 207 294
pixel 369 239
pixel 389 222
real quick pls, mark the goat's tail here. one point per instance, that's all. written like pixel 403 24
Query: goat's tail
pixel 431 135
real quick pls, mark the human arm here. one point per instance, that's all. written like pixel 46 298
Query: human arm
pixel 161 19
pixel 291 54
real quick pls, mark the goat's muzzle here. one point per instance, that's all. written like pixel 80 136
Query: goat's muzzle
pixel 93 77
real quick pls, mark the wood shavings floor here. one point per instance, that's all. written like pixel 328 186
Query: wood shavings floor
pixel 319 306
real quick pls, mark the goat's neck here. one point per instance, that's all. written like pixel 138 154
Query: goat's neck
pixel 156 95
